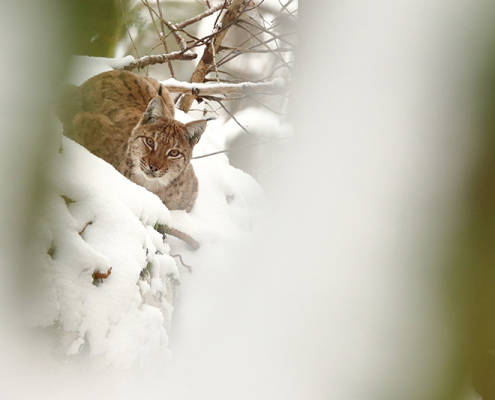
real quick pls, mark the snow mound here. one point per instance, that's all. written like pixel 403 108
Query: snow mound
pixel 96 219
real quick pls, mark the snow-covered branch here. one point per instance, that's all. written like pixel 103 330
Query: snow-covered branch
pixel 134 63
pixel 275 86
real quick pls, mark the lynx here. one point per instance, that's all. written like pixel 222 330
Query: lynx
pixel 128 120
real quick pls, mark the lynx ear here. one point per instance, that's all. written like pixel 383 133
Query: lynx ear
pixel 195 129
pixel 153 111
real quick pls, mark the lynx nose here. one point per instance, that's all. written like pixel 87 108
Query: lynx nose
pixel 153 168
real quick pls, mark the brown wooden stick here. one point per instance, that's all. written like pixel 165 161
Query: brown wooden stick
pixel 165 229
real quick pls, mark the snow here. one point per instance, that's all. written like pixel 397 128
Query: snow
pixel 119 63
pixel 277 83
pixel 105 221
pixel 261 123
pixel 83 67
pixel 96 219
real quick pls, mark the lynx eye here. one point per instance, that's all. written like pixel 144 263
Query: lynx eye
pixel 149 142
pixel 174 153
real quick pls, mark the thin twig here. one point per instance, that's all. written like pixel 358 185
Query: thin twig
pixel 238 148
pixel 285 8
pixel 261 42
pixel 163 38
pixel 173 29
pixel 132 42
pixel 211 154
pixel 151 11
pixel 205 14
pixel 213 52
pixel 233 117
pixel 168 230
pixel 244 51
pixel 254 24
pixel 188 267
pixel 124 16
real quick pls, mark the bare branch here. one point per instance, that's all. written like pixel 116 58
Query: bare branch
pixel 161 34
pixel 278 55
pixel 214 60
pixel 157 59
pixel 241 50
pixel 211 154
pixel 205 14
pixel 133 43
pixel 168 230
pixel 151 11
pixel 285 8
pixel 234 148
pixel 173 29
pixel 189 268
pixel 233 13
pixel 254 24
pixel 233 117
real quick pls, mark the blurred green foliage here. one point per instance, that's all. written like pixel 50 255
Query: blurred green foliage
pixel 480 236
pixel 97 25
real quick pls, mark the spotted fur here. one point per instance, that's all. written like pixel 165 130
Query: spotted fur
pixel 128 120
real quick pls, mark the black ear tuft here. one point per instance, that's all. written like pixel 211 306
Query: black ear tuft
pixel 160 90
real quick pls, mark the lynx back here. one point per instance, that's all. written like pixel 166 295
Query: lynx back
pixel 128 120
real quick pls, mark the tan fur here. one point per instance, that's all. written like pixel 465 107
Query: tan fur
pixel 116 114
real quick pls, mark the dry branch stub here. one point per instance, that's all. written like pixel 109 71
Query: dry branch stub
pixel 99 276
pixel 167 230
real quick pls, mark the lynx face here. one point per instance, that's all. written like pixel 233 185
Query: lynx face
pixel 161 148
